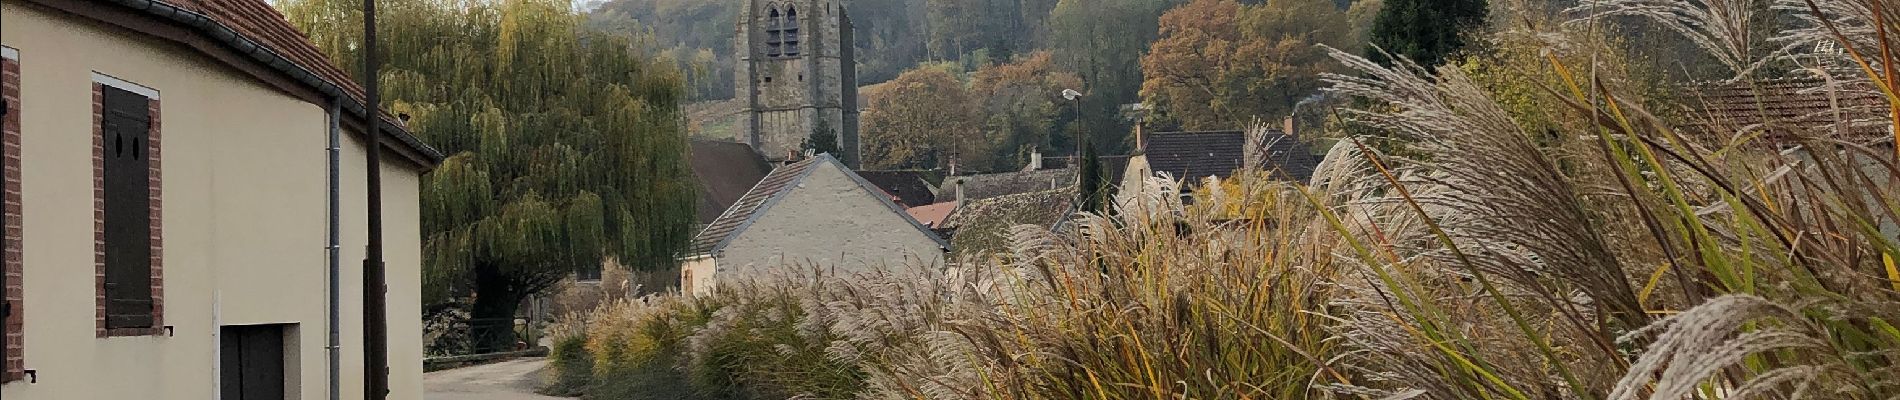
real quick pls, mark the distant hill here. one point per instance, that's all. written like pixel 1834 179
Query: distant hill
pixel 719 119
pixel 713 120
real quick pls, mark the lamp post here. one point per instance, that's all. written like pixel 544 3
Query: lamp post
pixel 1075 103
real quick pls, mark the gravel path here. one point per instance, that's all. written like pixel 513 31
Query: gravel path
pixel 507 380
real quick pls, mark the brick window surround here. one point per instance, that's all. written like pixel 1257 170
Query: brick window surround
pixel 99 215
pixel 12 358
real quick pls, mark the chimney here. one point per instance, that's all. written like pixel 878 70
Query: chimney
pixel 959 184
pixel 1035 161
pixel 1287 127
pixel 1139 140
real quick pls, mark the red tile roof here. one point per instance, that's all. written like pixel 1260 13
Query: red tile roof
pixel 279 45
pixel 932 216
pixel 258 21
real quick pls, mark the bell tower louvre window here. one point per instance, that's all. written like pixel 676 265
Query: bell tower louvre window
pixel 781 32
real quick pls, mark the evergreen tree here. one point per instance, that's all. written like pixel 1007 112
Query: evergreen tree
pixel 1425 31
pixel 824 140
pixel 1093 185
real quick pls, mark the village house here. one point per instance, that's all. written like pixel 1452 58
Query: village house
pixel 170 206
pixel 1194 157
pixel 810 213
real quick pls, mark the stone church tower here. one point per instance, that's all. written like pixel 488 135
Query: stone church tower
pixel 796 76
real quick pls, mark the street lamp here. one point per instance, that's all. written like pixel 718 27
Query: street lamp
pixel 1074 98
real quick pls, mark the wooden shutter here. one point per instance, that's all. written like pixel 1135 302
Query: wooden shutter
pixel 128 222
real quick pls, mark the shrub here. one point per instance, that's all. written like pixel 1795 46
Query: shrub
pixel 1609 256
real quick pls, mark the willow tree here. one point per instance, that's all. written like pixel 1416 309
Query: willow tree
pixel 566 147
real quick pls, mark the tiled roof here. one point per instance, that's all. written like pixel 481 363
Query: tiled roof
pixel 1112 166
pixel 258 21
pixel 1721 110
pixel 932 216
pixel 255 21
pixel 909 187
pixel 1191 156
pixel 775 184
pixel 976 187
pixel 982 226
pixel 1288 158
pixel 725 171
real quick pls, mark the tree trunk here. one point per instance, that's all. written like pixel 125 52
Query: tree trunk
pixel 492 320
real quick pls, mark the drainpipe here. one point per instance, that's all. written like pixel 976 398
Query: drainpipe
pixel 333 247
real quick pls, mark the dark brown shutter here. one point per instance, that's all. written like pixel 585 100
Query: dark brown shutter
pixel 128 218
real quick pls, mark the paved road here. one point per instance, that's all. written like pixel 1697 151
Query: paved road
pixel 507 380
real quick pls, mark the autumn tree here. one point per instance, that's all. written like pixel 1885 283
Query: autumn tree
pixel 918 120
pixel 566 147
pixel 1023 108
pixel 1103 41
pixel 1219 63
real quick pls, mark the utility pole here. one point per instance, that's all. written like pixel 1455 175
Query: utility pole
pixel 375 308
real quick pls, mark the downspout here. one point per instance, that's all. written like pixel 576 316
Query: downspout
pixel 333 247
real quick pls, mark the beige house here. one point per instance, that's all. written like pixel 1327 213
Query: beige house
pixel 812 213
pixel 196 266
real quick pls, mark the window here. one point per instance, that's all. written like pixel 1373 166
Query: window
pixel 12 339
pixel 773 40
pixel 791 31
pixel 125 169
pixel 781 32
pixel 588 273
pixel 686 279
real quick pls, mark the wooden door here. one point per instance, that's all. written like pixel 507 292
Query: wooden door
pixel 252 364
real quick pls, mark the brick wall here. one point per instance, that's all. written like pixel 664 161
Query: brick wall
pixel 99 222
pixel 13 364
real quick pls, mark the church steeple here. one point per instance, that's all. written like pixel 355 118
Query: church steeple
pixel 797 76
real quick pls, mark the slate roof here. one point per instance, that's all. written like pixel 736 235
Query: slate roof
pixel 1191 156
pixel 257 22
pixel 1288 158
pixel 1720 110
pixel 725 171
pixel 774 186
pixel 911 188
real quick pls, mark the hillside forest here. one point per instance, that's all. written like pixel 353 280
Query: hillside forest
pixel 981 79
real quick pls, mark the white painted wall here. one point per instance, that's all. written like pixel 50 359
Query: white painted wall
pixel 243 221
pixel 828 221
